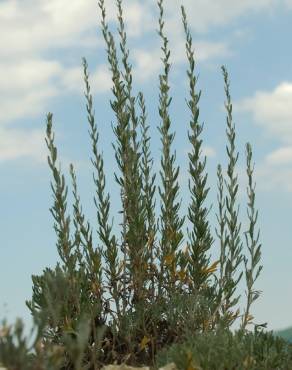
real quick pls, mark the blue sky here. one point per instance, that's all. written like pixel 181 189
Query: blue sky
pixel 42 44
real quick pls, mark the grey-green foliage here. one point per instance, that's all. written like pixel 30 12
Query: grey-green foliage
pixel 201 239
pixel 285 334
pixel 232 251
pixel 170 223
pixel 223 350
pixel 252 272
pixel 161 294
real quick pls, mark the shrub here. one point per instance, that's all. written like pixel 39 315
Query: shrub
pixel 224 350
pixel 163 296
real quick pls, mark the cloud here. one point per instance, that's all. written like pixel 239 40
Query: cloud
pixel 28 27
pixel 148 63
pixel 288 3
pixel 207 151
pixel 206 14
pixel 271 110
pixel 274 172
pixel 31 31
pixel 27 74
pixel 73 79
pixel 18 143
pixel 270 177
pixel 138 18
pixel 282 156
pixel 25 90
pixel 26 87
pixel 28 104
pixel 31 80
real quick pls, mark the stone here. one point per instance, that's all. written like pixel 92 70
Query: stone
pixel 170 366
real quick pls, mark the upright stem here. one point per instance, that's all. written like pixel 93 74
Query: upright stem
pixel 64 244
pixel 136 211
pixel 124 152
pixel 171 224
pixel 94 265
pixel 201 239
pixel 223 237
pixel 253 248
pixel 112 271
pixel 148 188
pixel 234 256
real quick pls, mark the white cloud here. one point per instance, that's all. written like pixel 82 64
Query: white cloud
pixel 205 14
pixel 26 87
pixel 28 27
pixel 18 144
pixel 25 91
pixel 274 173
pixel 27 74
pixel 280 156
pixel 73 79
pixel 15 143
pixel 28 104
pixel 207 151
pixel 203 50
pixel 272 110
pixel 288 3
pixel 30 30
pixel 207 50
pixel 148 63
pixel 273 178
pixel 138 18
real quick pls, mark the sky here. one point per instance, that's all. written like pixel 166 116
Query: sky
pixel 42 44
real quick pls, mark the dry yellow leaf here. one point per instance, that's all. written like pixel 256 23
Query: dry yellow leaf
pixel 68 325
pixel 169 259
pixel 235 315
pixel 144 342
pixel 5 331
pixel 95 288
pixel 212 268
pixel 190 365
pixel 182 275
pixel 150 240
pixel 171 233
pixel 249 318
pixel 249 361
